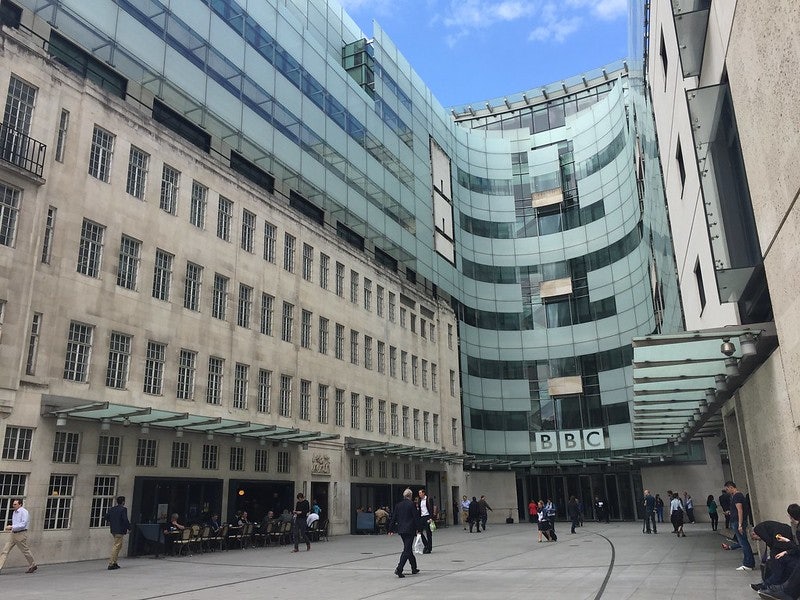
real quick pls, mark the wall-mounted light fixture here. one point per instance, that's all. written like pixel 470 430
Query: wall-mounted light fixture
pixel 262 441
pixel 304 445
pixel 237 438
pixel 727 347
pixel 61 421
pixel 284 444
pixel 145 428
pixel 721 384
pixel 179 432
pixel 732 367
pixel 748 344
pixel 210 436
pixel 105 424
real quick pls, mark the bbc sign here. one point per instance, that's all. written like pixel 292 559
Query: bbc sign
pixel 569 440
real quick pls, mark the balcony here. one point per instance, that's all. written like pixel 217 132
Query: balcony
pixel 22 151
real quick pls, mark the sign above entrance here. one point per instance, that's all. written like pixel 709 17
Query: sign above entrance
pixel 569 440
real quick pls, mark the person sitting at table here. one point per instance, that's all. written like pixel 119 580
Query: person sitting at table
pixel 242 520
pixel 171 533
pixel 286 516
pixel 214 524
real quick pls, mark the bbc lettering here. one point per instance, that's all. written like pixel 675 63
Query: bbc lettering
pixel 569 440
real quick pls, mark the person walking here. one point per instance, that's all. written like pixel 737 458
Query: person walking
pixel 739 526
pixel 660 508
pixel 484 509
pixel 300 525
pixel 117 518
pixel 465 511
pixel 725 505
pixel 425 508
pixel 712 512
pixel 572 512
pixel 474 516
pixel 533 512
pixel 19 535
pixel 688 505
pixel 676 515
pixel 649 503
pixel 404 522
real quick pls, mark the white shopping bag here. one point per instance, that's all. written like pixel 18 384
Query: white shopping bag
pixel 418 545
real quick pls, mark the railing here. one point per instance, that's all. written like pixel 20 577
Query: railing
pixel 21 150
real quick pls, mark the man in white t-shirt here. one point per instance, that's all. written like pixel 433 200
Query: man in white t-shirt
pixel 425 509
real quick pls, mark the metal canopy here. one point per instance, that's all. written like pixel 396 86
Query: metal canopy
pixel 361 447
pixel 691 23
pixel 681 381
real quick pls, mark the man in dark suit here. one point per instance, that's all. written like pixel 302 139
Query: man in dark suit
pixel 404 521
pixel 117 518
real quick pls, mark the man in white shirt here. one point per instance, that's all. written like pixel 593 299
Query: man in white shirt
pixel 425 517
pixel 464 511
pixel 19 535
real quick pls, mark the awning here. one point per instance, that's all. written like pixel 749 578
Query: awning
pixel 691 23
pixel 361 447
pixel 681 381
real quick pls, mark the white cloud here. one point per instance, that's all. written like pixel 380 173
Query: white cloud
pixel 607 10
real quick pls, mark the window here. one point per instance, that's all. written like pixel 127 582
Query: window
pixel 338 408
pixel 180 455
pixel 162 275
pixel 353 287
pixel 379 301
pixel 103 498
pixel 288 322
pixel 322 403
pixel 264 391
pixel 340 280
pixel 402 317
pixel 219 297
pixel 247 242
pixel 12 485
pixel 367 352
pixel 423 327
pixel 426 426
pixel 413 323
pixel 210 457
pixel 90 250
pixel 61 139
pixel 49 232
pixel 392 361
pixel 367 294
pixel 368 467
pixel 323 335
pixel 354 467
pixel 367 413
pixel 395 470
pixel 308 262
pixel 324 268
pixel 33 344
pixel 305 399
pixel 270 235
pixel 404 365
pixel 414 370
pixel 288 252
pixel 425 374
pixel 434 376
pixel 2 316
pixel 224 218
pixel 305 329
pixel 261 461
pixel 286 396
pixel 241 376
pixel 392 307
pixel 170 183
pixel 283 462
pixel 79 350
pixel 65 447
pixel 216 367
pixel 382 470
pixel 237 458
pixel 381 357
pixel 393 417
pixel 9 210
pixel 197 205
pixel 355 411
pixel 154 368
pixel 406 422
pixel 338 344
pixel 119 359
pixel 245 306
pixel 435 429
pixel 58 509
pixel 17 443
pixel 191 287
pixel 100 155
pixel 108 450
pixel 146 452
pixel 267 303
pixel 382 416
pixel 664 60
pixel 128 267
pixel 432 333
pixel 701 290
pixel 416 423
pixel 354 347
pixel 452 383
pixel 187 367
pixel 449 336
pixel 138 161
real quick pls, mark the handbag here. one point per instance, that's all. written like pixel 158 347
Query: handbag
pixel 432 526
pixel 418 545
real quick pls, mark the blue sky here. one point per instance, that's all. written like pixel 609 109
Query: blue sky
pixel 469 51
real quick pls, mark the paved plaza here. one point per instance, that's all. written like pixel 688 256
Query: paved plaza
pixel 612 562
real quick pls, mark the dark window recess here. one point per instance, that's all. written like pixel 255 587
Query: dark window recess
pixel 497 420
pixel 617 414
pixel 681 166
pixel 88 67
pixel 252 172
pixel 10 14
pixel 385 259
pixel 701 290
pixel 664 62
pixel 306 207
pixel 176 122
pixel 411 275
pixel 348 235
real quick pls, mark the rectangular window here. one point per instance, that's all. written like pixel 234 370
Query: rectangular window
pixel 392 361
pixel 367 352
pixel 119 359
pixel 354 467
pixel 197 205
pixel 58 510
pixel 49 232
pixel 33 344
pixel 264 391
pixel 210 457
pixel 355 411
pixel 154 368
pixel 245 306
pixel 162 275
pixel 701 290
pixel 413 323
pixel 322 403
pixel 247 241
pixel 382 416
pixel 382 469
pixel 79 350
pixel 426 425
pixel 367 294
pixel 146 452
pixel 367 413
pixel 423 327
pixel 267 308
pixel 288 252
pixel 61 139
pixel 402 317
pixel 286 396
pixel 138 162
pixel 681 166
pixel 224 218
pixel 180 455
pixel 435 429
pixel 108 450
pixel 322 344
pixel 416 423
pixel 454 430
pixel 393 418
pixel 241 377
pixel 270 236
pixel 425 374
pixel 449 336
pixel 406 422
pixel 128 267
pixel 324 268
pixel 414 370
pixel 287 322
pixel 103 497
pixel 452 383
pixel 379 301
pixel 434 377
pixel 392 307
pixel 340 280
pixel 369 467
pixel 170 183
pixel 90 249
pixel 338 408
pixel 216 367
pixel 100 154
pixel 395 470
pixel 17 443
pixel 404 365
pixel 261 461
pixel 305 399
pixel 9 211
pixel 237 458
pixel 308 262
pixel 338 345
pixel 354 347
pixel 12 485
pixel 187 367
pixel 65 447
pixel 305 329
pixel 219 297
pixel 432 332
pixel 192 285
pixel 353 287
pixel 283 462
pixel 381 357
